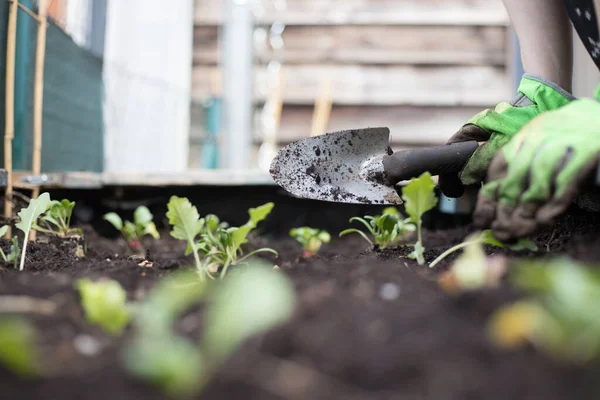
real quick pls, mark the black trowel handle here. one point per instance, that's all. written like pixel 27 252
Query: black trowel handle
pixel 407 164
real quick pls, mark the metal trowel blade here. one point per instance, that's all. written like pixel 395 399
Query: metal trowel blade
pixel 342 167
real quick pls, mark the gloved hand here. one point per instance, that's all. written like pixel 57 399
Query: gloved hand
pixel 496 127
pixel 538 174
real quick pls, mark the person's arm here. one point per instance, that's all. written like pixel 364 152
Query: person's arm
pixel 545 36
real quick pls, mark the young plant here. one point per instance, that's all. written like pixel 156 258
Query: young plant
pixel 13 256
pixel 27 218
pixel 473 270
pixel 419 197
pixel 386 229
pixel 187 225
pixel 222 247
pixel 57 219
pixel 104 304
pixel 486 237
pixel 561 316
pixel 18 351
pixel 133 232
pixel 247 303
pixel 311 239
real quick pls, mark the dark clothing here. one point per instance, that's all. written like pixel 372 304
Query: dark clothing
pixel 583 17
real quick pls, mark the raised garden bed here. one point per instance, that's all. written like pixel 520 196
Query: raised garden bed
pixel 368 324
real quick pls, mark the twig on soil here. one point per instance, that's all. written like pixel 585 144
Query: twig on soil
pixel 550 240
pixel 26 304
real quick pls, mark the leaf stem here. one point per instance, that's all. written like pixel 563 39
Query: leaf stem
pixel 453 249
pixel 196 256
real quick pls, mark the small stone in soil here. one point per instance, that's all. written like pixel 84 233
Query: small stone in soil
pixel 389 291
pixel 86 345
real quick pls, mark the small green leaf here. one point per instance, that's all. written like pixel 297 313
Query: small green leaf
pixel 105 304
pixel 249 302
pixel 170 297
pixel 470 268
pixel 213 223
pixel 186 223
pixel 172 363
pixel 391 211
pixel 184 218
pixel 3 230
pixel 151 230
pixel 567 294
pixel 28 216
pixel 256 215
pixel 324 236
pixel 157 354
pixel 419 196
pixel 115 220
pixel 18 347
pixel 522 244
pixel 130 231
pixel 142 216
pixel 15 250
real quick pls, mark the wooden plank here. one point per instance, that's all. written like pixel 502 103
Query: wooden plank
pixel 370 12
pixel 373 44
pixel 190 177
pixel 207 45
pixel 409 126
pixel 380 85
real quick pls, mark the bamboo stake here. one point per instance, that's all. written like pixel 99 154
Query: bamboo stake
pixel 278 102
pixel 322 110
pixel 216 83
pixel 9 124
pixel 268 148
pixel 38 96
pixel 29 12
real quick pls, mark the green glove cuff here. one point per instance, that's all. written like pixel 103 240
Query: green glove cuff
pixel 536 95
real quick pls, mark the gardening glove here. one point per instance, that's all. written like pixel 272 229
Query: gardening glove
pixel 496 127
pixel 538 174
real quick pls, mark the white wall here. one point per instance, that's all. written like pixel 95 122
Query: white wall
pixel 77 20
pixel 148 69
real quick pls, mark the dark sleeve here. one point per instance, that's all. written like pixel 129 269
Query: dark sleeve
pixel 584 19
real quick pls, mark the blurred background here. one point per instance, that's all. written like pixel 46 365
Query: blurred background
pixel 148 86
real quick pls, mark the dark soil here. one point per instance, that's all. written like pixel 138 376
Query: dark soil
pixel 349 339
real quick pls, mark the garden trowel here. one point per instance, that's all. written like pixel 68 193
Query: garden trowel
pixel 358 166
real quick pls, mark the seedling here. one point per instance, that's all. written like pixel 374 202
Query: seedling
pixel 311 239
pixel 419 197
pixel 13 256
pixel 57 219
pixel 486 237
pixel 133 232
pixel 561 317
pixel 18 351
pixel 386 229
pixel 222 247
pixel 28 217
pixel 187 225
pixel 473 270
pixel 104 304
pixel 245 304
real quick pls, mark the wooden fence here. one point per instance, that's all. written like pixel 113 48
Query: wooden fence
pixel 420 67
